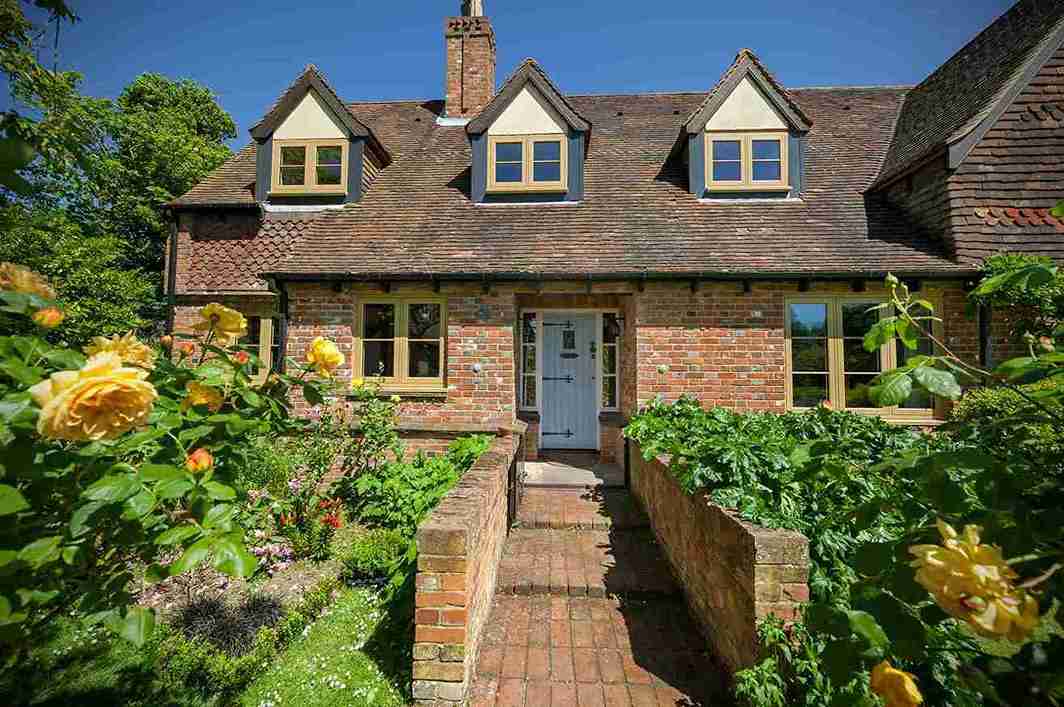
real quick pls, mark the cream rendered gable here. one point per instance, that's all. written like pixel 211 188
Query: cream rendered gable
pixel 528 114
pixel 310 120
pixel 746 109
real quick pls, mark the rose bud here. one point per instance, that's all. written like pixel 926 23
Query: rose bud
pixel 49 317
pixel 241 357
pixel 166 341
pixel 199 461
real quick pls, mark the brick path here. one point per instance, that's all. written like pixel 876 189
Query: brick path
pixel 590 617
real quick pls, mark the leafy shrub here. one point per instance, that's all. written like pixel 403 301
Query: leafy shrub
pixel 399 494
pixel 984 407
pixel 1036 309
pixel 755 463
pixel 375 554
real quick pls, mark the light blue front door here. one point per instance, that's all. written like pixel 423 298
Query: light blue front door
pixel 570 365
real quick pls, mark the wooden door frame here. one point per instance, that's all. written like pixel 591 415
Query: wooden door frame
pixel 540 312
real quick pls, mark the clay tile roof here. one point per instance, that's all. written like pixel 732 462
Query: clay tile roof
pixel 637 216
pixel 529 72
pixel 230 185
pixel 965 92
pixel 747 64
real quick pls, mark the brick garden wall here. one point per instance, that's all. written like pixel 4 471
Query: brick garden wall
pixel 732 572
pixel 459 547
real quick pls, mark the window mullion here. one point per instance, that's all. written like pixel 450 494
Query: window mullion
pixel 836 375
pixel 400 341
pixel 526 156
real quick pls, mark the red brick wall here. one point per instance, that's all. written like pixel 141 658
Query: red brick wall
pixel 459 546
pixel 470 83
pixel 726 347
pixel 733 573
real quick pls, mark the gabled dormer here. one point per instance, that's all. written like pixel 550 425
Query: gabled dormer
pixel 311 149
pixel 747 139
pixel 528 143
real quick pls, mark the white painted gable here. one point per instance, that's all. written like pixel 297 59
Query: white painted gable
pixel 309 120
pixel 528 114
pixel 746 109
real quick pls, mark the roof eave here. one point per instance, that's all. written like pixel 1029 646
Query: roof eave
pixel 528 72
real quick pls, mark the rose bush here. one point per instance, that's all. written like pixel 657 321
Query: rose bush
pixel 115 468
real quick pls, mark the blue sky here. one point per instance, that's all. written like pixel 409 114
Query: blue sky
pixel 248 51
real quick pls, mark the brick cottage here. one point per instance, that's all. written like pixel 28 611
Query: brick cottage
pixel 523 254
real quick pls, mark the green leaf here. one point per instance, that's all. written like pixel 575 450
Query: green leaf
pixel 195 554
pixel 908 334
pixel 11 500
pixel 882 332
pixel 65 359
pixel 79 519
pixel 938 382
pixel 891 388
pixel 175 488
pixel 141 504
pixel 175 536
pixel 865 625
pixel 312 394
pixel 1015 367
pixel 219 516
pixel 155 573
pixel 232 558
pixel 41 552
pixel 136 626
pixel 7 557
pixel 1029 277
pixel 113 488
pixel 193 434
pixel 219 492
pixel 160 472
pixel 1058 210
pixel 19 372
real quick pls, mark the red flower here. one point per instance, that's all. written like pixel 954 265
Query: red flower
pixel 241 357
pixel 333 520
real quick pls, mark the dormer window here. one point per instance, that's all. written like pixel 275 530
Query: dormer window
pixel 309 167
pixel 746 161
pixel 527 163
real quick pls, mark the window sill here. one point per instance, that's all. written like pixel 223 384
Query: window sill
pixel 410 393
pixel 309 192
pixel 524 189
pixel 727 188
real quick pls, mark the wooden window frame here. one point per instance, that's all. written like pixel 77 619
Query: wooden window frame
pixel 537 347
pixel 747 182
pixel 310 185
pixel 263 348
pixel 401 382
pixel 526 184
pixel 835 358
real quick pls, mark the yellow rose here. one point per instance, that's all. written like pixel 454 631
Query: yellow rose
pixel 972 582
pixel 128 347
pixel 101 401
pixel 896 687
pixel 198 394
pixel 358 383
pixel 228 324
pixel 49 317
pixel 324 356
pixel 16 278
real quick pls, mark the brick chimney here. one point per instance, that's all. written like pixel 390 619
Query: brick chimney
pixel 470 61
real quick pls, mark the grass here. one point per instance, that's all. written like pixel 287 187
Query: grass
pixel 76 665
pixel 356 654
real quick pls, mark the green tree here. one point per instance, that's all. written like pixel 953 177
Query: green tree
pixel 100 296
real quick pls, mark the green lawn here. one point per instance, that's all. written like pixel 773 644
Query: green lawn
pixel 357 653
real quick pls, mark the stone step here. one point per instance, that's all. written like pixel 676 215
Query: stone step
pixel 586 509
pixel 585 563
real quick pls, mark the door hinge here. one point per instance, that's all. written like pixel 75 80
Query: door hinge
pixel 567 433
pixel 567 379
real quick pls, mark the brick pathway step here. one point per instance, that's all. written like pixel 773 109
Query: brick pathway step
pixel 595 563
pixel 540 651
pixel 592 508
